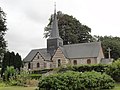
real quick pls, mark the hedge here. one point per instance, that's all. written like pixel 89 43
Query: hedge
pixel 114 70
pixel 35 76
pixel 76 81
pixel 83 68
pixel 41 71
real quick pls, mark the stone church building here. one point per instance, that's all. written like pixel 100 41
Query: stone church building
pixel 56 54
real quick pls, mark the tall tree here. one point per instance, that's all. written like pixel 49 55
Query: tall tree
pixel 3 28
pixel 18 61
pixel 5 62
pixel 110 42
pixel 10 59
pixel 70 29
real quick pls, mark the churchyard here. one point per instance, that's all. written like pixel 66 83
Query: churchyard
pixel 99 76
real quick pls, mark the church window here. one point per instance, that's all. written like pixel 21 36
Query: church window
pixel 59 62
pixel 75 62
pixel 29 65
pixel 38 57
pixel 38 65
pixel 50 65
pixel 88 61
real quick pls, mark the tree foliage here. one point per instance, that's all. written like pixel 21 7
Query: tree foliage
pixel 76 81
pixel 114 70
pixel 10 59
pixel 70 29
pixel 3 28
pixel 110 42
pixel 9 72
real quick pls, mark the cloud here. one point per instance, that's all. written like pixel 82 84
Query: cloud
pixel 26 19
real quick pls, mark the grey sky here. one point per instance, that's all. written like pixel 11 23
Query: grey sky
pixel 26 19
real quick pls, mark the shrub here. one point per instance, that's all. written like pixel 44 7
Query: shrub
pixel 114 70
pixel 32 82
pixel 35 76
pixel 41 71
pixel 19 79
pixel 83 68
pixel 76 81
pixel 9 72
pixel 94 80
pixel 2 84
pixel 24 79
pixel 61 81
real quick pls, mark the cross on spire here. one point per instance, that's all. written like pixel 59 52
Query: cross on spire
pixel 54 7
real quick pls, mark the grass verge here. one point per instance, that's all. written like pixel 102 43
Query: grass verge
pixel 17 88
pixel 117 86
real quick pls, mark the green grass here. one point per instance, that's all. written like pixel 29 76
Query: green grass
pixel 117 86
pixel 17 88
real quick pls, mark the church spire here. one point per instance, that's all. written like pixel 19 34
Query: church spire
pixel 54 41
pixel 54 27
pixel 54 7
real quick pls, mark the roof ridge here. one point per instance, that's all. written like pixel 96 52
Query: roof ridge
pixel 83 43
pixel 38 49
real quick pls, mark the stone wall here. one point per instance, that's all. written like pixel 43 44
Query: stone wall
pixel 100 56
pixel 59 56
pixel 42 63
pixel 84 61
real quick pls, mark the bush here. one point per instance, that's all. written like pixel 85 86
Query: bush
pixel 9 72
pixel 41 71
pixel 94 80
pixel 24 79
pixel 35 76
pixel 61 81
pixel 2 84
pixel 114 70
pixel 19 79
pixel 83 68
pixel 76 81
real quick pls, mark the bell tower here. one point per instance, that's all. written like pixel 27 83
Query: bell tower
pixel 54 41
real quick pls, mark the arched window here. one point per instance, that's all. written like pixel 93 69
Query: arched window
pixel 88 61
pixel 38 57
pixel 29 65
pixel 50 65
pixel 59 62
pixel 38 65
pixel 75 62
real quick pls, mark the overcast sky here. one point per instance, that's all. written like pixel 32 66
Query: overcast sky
pixel 26 19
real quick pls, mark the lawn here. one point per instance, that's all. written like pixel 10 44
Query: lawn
pixel 17 88
pixel 117 86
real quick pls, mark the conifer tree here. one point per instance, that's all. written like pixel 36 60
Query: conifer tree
pixel 3 29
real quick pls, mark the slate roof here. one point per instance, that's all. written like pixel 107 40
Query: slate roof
pixel 54 27
pixel 83 50
pixel 43 52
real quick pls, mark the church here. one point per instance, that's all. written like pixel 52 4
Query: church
pixel 56 54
